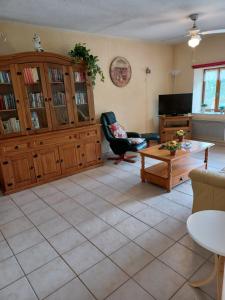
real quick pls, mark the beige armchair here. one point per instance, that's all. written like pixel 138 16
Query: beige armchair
pixel 209 190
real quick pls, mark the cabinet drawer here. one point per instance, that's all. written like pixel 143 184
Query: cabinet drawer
pixel 179 179
pixel 15 147
pixel 56 140
pixel 89 133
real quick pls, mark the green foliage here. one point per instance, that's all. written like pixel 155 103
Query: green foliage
pixel 80 52
pixel 173 146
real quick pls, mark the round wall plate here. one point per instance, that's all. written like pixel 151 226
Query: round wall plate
pixel 120 71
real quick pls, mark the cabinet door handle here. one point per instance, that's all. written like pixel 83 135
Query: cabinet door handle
pixel 46 99
pixel 32 167
pixel 49 99
pixel 99 158
pixel 9 184
pixel 181 178
pixel 38 176
pixel 80 164
pixel 78 146
pixel 35 156
pixel 17 101
pixel 92 119
pixel 18 73
pixel 66 73
pixel 5 162
pixel 28 128
pixel 82 154
pixel 72 122
pixel 61 160
pixel 16 147
pixel 98 142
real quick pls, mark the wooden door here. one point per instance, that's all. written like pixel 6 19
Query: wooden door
pixel 90 152
pixel 60 96
pixel 18 171
pixel 32 81
pixel 12 119
pixel 83 100
pixel 70 158
pixel 47 163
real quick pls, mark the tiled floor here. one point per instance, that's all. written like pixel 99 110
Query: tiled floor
pixel 101 235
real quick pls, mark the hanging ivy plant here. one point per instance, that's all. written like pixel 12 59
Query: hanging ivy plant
pixel 80 52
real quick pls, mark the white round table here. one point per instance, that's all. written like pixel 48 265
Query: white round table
pixel 207 228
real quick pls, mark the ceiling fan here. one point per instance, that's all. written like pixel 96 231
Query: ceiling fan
pixel 195 33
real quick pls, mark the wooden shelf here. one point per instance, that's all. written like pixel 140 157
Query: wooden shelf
pixel 8 110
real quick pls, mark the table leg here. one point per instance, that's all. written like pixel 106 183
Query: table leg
pixel 142 168
pixel 206 158
pixel 169 183
pixel 217 272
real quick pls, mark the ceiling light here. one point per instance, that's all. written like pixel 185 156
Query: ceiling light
pixel 194 41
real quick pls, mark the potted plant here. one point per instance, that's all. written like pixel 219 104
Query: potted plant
pixel 222 108
pixel 180 134
pixel 173 146
pixel 203 107
pixel 81 53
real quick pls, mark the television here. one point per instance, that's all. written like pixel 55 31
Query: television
pixel 175 104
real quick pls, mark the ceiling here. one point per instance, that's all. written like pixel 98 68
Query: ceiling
pixel 152 20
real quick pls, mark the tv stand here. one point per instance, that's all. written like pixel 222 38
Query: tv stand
pixel 168 126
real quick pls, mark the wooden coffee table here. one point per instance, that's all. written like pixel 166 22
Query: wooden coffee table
pixel 172 170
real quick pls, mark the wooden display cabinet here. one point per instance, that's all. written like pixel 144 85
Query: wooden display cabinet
pixel 169 125
pixel 47 119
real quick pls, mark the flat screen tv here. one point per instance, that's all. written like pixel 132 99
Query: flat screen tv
pixel 175 104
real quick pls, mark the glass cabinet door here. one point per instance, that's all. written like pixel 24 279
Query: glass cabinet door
pixel 35 94
pixel 83 99
pixel 9 110
pixel 59 95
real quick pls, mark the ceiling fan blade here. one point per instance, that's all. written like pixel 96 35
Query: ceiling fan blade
pixel 216 31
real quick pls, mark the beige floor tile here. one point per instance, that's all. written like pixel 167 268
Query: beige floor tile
pixel 159 280
pixel 180 198
pixel 24 197
pixel 53 227
pixel 36 256
pixel 33 206
pixel 182 260
pixel 78 215
pixel 74 191
pixel 132 206
pixel 55 198
pixel 42 216
pixel 203 273
pixel 66 206
pixel 151 216
pixel 99 206
pixel 154 242
pixel 5 251
pixel 107 277
pixel 17 226
pixel 10 215
pixel 85 197
pixel 92 227
pixel 66 240
pixel 19 290
pixel 189 243
pixel 184 188
pixel 45 190
pixel 50 277
pixel 83 257
pixel 173 228
pixel 131 258
pixel 10 271
pixel 74 290
pixel 113 216
pixel 109 241
pixel 25 240
pixel 131 227
pixel 130 290
pixel 189 293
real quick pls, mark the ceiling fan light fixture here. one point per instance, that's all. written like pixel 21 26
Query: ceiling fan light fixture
pixel 194 41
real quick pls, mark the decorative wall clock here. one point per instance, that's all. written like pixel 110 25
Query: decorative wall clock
pixel 120 71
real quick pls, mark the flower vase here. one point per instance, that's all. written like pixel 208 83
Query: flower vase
pixel 180 138
pixel 173 152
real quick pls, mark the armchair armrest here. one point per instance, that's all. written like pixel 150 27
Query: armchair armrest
pixel 133 134
pixel 208 177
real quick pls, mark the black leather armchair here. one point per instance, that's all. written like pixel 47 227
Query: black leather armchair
pixel 119 145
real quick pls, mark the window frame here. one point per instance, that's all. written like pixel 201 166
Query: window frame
pixel 218 83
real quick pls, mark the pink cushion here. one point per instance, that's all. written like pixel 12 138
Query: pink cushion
pixel 118 131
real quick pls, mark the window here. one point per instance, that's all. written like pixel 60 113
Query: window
pixel 213 93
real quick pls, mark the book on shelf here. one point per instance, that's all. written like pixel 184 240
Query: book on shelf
pixel 81 98
pixel 5 77
pixel 11 125
pixel 7 102
pixel 36 100
pixel 79 76
pixel 30 75
pixel 35 120
pixel 58 98
pixel 55 75
pixel 82 115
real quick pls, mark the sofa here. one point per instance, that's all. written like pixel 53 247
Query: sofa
pixel 208 190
